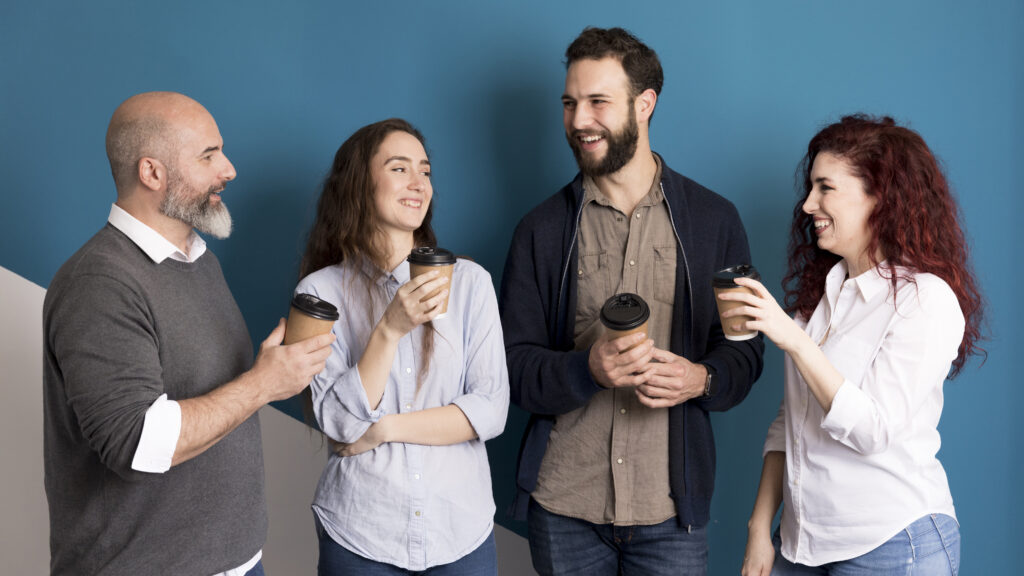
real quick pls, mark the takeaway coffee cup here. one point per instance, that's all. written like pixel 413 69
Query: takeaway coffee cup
pixel 309 316
pixel 427 258
pixel 725 281
pixel 625 314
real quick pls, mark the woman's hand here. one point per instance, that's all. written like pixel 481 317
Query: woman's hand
pixel 406 311
pixel 760 555
pixel 374 436
pixel 768 317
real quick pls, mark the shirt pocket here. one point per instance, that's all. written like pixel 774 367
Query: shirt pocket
pixel 665 273
pixel 591 285
pixel 851 356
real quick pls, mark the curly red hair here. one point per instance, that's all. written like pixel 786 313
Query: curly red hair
pixel 915 222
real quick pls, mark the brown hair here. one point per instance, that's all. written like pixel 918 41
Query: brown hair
pixel 640 62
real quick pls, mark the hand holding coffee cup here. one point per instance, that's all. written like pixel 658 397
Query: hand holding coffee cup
pixel 309 316
pixel 725 282
pixel 415 303
pixel 620 355
pixel 427 258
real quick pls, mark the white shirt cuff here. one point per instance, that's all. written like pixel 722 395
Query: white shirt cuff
pixel 849 406
pixel 244 568
pixel 160 431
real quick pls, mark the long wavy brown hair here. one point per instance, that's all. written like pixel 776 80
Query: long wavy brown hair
pixel 915 222
pixel 347 226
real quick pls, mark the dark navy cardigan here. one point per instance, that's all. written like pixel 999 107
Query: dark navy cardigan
pixel 548 378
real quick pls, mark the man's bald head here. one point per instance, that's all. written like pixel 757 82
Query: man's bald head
pixel 147 126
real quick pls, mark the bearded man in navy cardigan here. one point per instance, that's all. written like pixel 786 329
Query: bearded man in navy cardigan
pixel 617 465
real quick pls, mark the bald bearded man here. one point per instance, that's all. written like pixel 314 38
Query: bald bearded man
pixel 152 442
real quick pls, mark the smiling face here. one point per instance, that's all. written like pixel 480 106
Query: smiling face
pixel 599 116
pixel 402 188
pixel 840 206
pixel 198 174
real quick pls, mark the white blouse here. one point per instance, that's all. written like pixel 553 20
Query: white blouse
pixel 858 475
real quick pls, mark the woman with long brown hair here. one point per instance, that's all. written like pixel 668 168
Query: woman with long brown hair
pixel 407 398
pixel 885 303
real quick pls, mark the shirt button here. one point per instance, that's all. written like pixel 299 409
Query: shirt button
pixel 622 410
pixel 416 476
pixel 408 370
pixel 619 460
pixel 579 272
pixel 417 512
pixel 632 262
pixel 638 215
pixel 408 406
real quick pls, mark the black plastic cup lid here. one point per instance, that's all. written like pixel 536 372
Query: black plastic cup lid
pixel 315 307
pixel 431 256
pixel 624 312
pixel 727 278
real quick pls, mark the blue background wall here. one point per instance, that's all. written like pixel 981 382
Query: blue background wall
pixel 747 84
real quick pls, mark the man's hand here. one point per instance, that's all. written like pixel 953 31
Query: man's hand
pixel 620 362
pixel 279 372
pixel 283 371
pixel 670 380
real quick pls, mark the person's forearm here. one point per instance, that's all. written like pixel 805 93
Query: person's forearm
pixel 441 426
pixel 375 365
pixel 769 494
pixel 208 418
pixel 822 379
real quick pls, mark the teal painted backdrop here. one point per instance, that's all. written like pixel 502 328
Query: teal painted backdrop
pixel 747 84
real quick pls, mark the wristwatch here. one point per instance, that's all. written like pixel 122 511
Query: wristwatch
pixel 711 383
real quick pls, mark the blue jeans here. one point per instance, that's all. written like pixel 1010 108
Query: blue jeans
pixel 336 560
pixel 567 546
pixel 928 547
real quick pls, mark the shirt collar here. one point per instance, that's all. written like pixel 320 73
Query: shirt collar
pixel 869 283
pixel 400 274
pixel 151 242
pixel 591 193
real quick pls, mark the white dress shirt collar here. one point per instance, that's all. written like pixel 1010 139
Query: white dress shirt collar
pixel 869 283
pixel 151 242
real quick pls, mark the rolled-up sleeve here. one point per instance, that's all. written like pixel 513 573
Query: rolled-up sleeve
pixel 776 439
pixel 340 405
pixel 108 352
pixel 486 397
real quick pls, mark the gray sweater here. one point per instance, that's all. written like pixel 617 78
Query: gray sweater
pixel 119 332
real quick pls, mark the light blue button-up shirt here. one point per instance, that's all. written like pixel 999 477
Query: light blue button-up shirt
pixel 410 505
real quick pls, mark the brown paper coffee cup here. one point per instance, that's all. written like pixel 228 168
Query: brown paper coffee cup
pixel 625 314
pixel 724 282
pixel 309 316
pixel 427 258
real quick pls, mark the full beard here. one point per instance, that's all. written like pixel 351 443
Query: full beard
pixel 621 149
pixel 185 203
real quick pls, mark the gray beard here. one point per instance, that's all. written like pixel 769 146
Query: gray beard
pixel 184 203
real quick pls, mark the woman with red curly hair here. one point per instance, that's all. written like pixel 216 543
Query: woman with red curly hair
pixel 885 304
